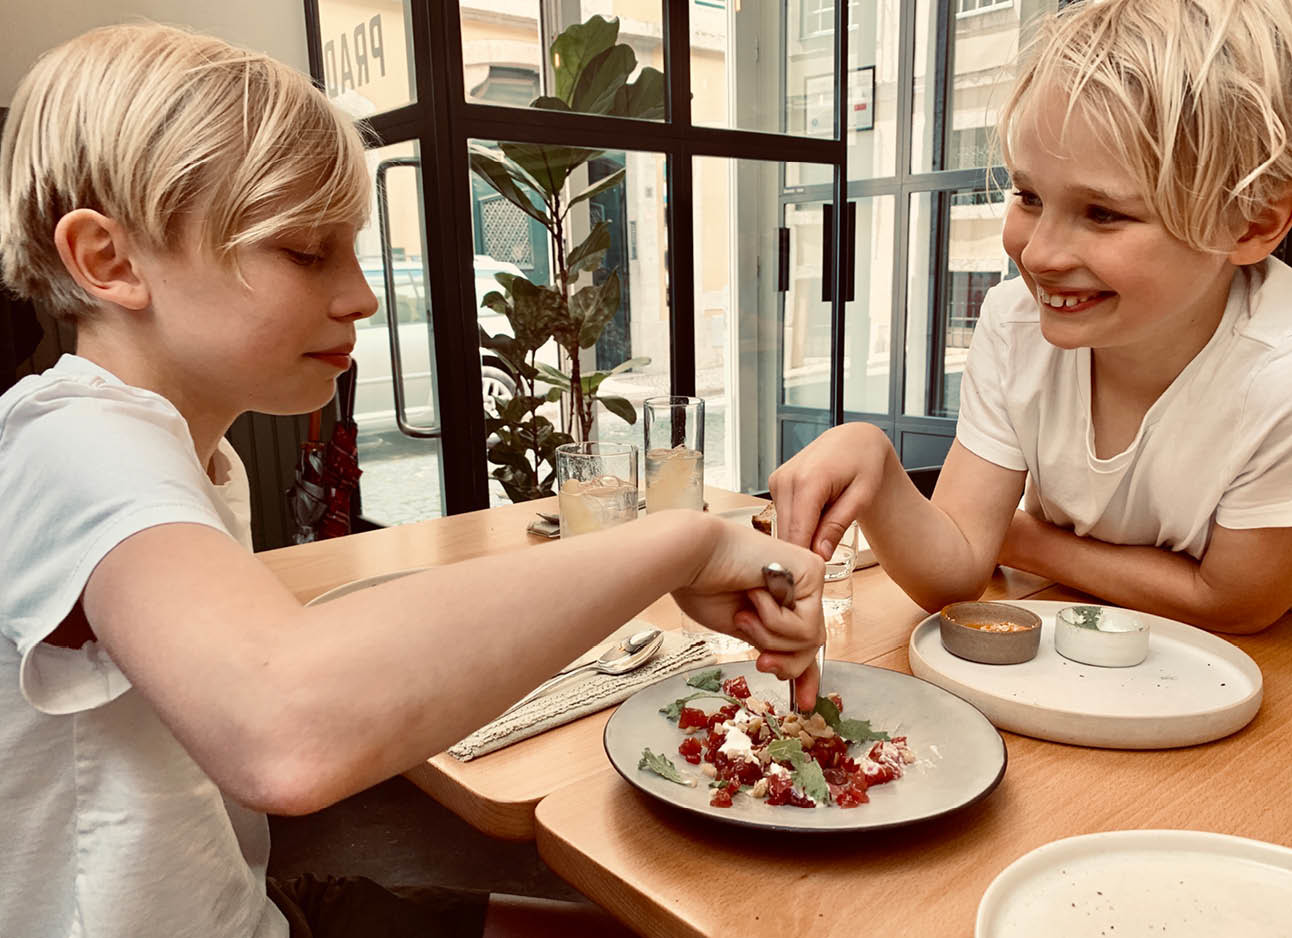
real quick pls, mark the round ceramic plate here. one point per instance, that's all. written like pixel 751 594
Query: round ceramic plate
pixel 1140 883
pixel 1192 688
pixel 355 585
pixel 960 757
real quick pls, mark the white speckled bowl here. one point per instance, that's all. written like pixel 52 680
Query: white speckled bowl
pixel 1098 635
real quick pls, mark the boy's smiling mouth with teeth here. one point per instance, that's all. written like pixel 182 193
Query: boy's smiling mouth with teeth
pixel 1066 301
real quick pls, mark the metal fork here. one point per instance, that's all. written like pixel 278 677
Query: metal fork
pixel 780 583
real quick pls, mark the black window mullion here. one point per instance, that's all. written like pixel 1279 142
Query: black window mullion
pixel 843 259
pixel 902 217
pixel 679 221
pixel 452 274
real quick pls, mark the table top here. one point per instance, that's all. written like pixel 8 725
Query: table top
pixel 670 874
pixel 498 793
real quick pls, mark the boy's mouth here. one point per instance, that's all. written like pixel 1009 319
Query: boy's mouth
pixel 1069 302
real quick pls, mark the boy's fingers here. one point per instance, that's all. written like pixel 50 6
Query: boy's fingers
pixel 800 667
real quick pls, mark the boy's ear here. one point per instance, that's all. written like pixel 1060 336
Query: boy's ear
pixel 96 252
pixel 1265 233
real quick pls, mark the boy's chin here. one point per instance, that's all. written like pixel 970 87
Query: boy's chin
pixel 305 402
pixel 1062 334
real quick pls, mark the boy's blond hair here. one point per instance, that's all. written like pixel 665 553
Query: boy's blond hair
pixel 145 123
pixel 1193 96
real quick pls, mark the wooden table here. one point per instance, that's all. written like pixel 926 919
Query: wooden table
pixel 669 874
pixel 498 793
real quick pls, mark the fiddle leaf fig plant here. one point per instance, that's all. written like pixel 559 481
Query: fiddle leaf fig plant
pixel 591 69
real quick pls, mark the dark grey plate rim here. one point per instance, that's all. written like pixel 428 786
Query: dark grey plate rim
pixel 628 774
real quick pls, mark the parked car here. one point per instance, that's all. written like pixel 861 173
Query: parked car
pixel 375 397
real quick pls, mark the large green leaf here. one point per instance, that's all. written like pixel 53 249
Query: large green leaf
pixel 594 307
pixel 578 45
pixel 552 376
pixel 495 172
pixel 639 361
pixel 619 406
pixel 587 255
pixel 602 78
pixel 548 164
pixel 642 98
pixel 601 185
pixel 548 103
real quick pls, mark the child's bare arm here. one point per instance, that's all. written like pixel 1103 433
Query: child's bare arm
pixel 938 551
pixel 290 709
pixel 1241 585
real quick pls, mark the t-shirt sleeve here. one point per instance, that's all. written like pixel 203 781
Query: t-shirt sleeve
pixel 984 426
pixel 83 471
pixel 1260 495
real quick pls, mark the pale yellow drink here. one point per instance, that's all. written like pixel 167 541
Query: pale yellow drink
pixel 674 479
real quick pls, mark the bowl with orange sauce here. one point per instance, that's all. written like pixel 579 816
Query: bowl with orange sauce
pixel 990 633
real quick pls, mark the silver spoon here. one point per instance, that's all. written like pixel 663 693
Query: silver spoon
pixel 620 658
pixel 780 583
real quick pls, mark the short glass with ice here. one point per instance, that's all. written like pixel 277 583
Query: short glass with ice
pixel 597 486
pixel 674 453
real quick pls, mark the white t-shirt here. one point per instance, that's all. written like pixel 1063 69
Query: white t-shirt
pixel 1215 447
pixel 108 829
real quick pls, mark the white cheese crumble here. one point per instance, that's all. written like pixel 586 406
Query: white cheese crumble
pixel 737 746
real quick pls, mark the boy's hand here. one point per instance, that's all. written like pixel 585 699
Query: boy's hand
pixel 726 594
pixel 828 484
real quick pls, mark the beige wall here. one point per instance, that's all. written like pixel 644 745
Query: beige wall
pixel 32 26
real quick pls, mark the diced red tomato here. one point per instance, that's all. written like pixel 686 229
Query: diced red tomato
pixel 692 716
pixel 721 797
pixel 736 687
pixel 690 750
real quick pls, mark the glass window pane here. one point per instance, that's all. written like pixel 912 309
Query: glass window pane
pixel 985 40
pixel 762 332
pixel 955 246
pixel 868 317
pixel 764 66
pixel 511 54
pixel 630 213
pixel 402 481
pixel 871 106
pixel 367 54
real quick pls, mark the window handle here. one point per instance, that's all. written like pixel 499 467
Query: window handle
pixel 392 311
pixel 782 259
pixel 827 255
pixel 850 255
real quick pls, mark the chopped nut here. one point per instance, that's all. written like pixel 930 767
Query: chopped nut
pixel 755 727
pixel 755 705
pixel 764 755
pixel 760 788
pixel 805 738
pixel 708 770
pixel 816 724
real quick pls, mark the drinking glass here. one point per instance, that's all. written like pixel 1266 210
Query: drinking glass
pixel 596 486
pixel 674 453
pixel 837 597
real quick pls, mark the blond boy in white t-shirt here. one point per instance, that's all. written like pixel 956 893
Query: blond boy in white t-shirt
pixel 193 208
pixel 1138 375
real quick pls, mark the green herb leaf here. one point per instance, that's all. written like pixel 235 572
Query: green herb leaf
pixel 1089 616
pixel 706 680
pixel 854 731
pixel 663 767
pixel 811 779
pixel 674 710
pixel 788 749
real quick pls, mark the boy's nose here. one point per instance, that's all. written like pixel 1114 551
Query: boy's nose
pixel 1048 247
pixel 356 299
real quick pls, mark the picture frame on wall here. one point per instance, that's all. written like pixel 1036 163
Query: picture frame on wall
pixel 861 98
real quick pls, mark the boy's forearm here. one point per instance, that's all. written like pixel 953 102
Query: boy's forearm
pixel 510 624
pixel 1152 579
pixel 919 545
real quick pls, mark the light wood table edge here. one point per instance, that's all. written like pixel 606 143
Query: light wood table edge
pixel 633 907
pixel 511 820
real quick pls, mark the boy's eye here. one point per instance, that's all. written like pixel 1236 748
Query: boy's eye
pixel 304 258
pixel 1103 216
pixel 1026 198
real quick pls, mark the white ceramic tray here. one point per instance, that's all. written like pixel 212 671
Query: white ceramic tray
pixel 1192 688
pixel 1142 883
pixel 865 557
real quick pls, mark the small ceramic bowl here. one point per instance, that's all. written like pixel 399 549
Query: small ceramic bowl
pixel 1098 635
pixel 990 633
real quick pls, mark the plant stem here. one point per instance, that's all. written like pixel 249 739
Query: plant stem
pixel 578 419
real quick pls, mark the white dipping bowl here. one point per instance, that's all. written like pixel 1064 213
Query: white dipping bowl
pixel 1098 635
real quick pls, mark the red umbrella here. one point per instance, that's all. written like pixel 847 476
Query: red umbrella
pixel 324 496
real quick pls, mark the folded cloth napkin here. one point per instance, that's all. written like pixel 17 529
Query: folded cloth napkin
pixel 587 693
